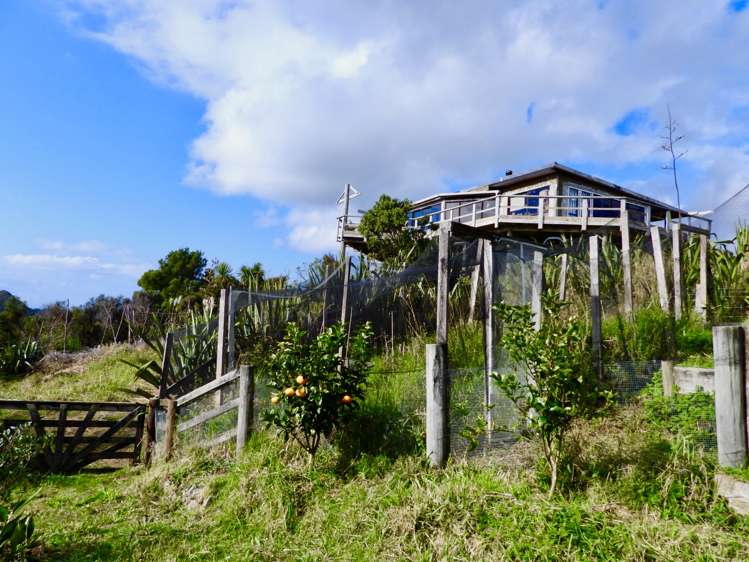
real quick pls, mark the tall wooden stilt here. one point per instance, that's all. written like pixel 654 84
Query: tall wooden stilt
pixel 537 287
pixel 595 305
pixel 563 277
pixel 488 270
pixel 626 262
pixel 660 270
pixel 701 293
pixel 475 274
pixel 676 251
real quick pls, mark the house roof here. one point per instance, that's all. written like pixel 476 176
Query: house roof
pixel 553 169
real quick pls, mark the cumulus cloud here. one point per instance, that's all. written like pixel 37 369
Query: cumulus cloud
pixel 85 246
pixel 55 262
pixel 409 98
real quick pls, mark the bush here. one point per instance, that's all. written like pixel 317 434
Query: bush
pixel 18 447
pixel 316 390
pixel 18 359
pixel 16 531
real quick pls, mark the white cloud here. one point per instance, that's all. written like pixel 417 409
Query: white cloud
pixel 85 246
pixel 55 262
pixel 409 97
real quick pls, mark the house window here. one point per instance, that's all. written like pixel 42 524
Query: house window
pixel 527 202
pixel 425 215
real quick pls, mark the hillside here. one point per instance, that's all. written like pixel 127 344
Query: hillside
pixel 633 496
pixel 6 295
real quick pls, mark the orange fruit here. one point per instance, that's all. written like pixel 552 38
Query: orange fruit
pixel 301 392
pixel 301 380
pixel 289 392
pixel 274 399
pixel 346 399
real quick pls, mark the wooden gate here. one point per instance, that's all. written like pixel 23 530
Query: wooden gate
pixel 80 433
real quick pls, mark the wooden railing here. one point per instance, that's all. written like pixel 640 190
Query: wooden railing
pixel 176 408
pixel 582 210
pixel 76 434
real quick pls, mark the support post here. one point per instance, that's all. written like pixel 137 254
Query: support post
pixel 626 261
pixel 730 395
pixel 537 287
pixel 475 274
pixel 701 293
pixel 488 269
pixel 595 305
pixel 346 200
pixel 676 251
pixel 344 296
pixel 660 270
pixel 667 378
pixel 438 404
pixel 246 411
pixel 171 427
pixel 149 439
pixel 443 282
pixel 223 315
pixel 563 277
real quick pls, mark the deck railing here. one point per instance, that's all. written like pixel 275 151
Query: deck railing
pixel 540 209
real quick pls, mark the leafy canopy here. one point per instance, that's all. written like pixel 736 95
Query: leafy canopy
pixel 559 385
pixel 180 274
pixel 315 389
pixel 384 227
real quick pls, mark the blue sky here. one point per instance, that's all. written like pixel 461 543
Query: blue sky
pixel 130 129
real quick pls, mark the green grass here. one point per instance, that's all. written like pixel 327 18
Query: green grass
pixel 101 380
pixel 697 360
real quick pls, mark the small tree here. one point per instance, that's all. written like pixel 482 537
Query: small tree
pixel 384 227
pixel 316 390
pixel 560 385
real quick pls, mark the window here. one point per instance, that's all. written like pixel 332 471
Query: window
pixel 527 203
pixel 416 214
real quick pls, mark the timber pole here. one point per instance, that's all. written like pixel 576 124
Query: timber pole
pixel 626 263
pixel 488 270
pixel 537 288
pixel 660 270
pixel 595 304
pixel 730 394
pixel 676 254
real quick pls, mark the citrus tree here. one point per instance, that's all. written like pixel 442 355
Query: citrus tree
pixel 558 384
pixel 315 389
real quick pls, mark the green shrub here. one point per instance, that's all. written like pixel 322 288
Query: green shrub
pixel 18 447
pixel 17 358
pixel 16 531
pixel 317 390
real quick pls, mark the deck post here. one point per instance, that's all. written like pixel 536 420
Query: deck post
pixel 540 212
pixel 497 208
pixel 676 254
pixel 626 262
pixel 585 214
pixel 443 282
pixel 488 331
pixel 701 293
pixel 730 395
pixel 660 270
pixel 595 304
pixel 537 288
pixel 563 277
pixel 475 274
pixel 246 403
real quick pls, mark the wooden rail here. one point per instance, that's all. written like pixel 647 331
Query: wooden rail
pixel 73 443
pixel 243 404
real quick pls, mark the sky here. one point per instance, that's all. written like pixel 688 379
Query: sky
pixel 134 127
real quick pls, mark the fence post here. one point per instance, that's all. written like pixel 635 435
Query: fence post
pixel 166 364
pixel 730 394
pixel 488 267
pixel 344 297
pixel 626 261
pixel 537 287
pixel 246 401
pixel 438 404
pixel 660 270
pixel 443 282
pixel 667 378
pixel 223 311
pixel 595 305
pixel 231 319
pixel 171 427
pixel 475 274
pixel 676 251
pixel 150 433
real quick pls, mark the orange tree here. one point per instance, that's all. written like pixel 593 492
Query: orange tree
pixel 315 390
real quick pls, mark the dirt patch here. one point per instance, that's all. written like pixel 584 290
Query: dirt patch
pixel 56 362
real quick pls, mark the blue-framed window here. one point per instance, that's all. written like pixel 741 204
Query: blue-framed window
pixel 527 202
pixel 416 214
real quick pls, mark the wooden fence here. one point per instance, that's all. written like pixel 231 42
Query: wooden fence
pixel 176 408
pixel 77 434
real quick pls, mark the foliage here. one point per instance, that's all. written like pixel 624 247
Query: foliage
pixel 180 274
pixel 559 385
pixel 193 349
pixel 317 390
pixel 12 314
pixel 17 359
pixel 16 531
pixel 18 447
pixel 690 417
pixel 388 239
